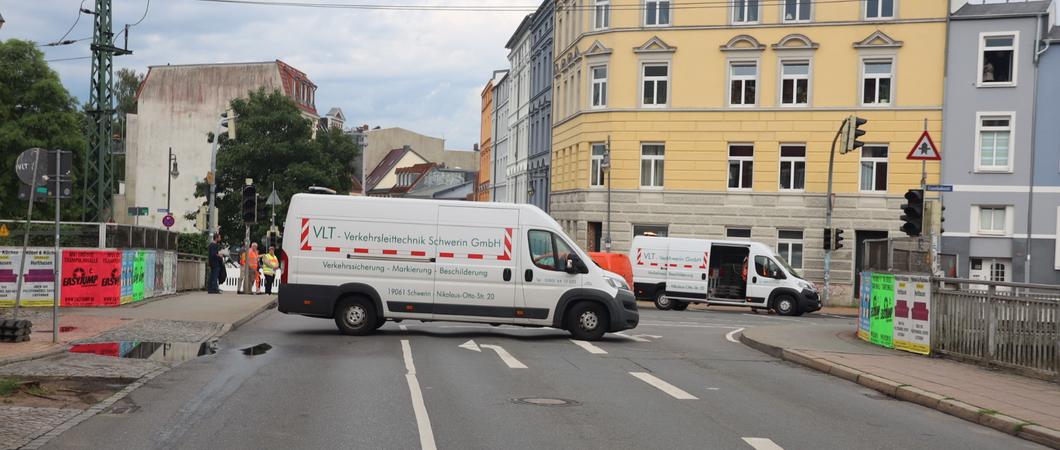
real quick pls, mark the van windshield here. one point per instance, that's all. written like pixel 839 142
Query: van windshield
pixel 787 267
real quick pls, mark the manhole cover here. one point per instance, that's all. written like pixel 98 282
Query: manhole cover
pixel 542 401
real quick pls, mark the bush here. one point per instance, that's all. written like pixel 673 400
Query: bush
pixel 192 243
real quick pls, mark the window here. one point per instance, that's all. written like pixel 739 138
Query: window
pixel 879 9
pixel 993 220
pixel 744 11
pixel 789 246
pixel 741 166
pixel 596 176
pixel 765 267
pixel 548 251
pixel 599 90
pixel 997 59
pixel 797 10
pixel 657 12
pixel 656 79
pixel 650 230
pixel 651 165
pixel 995 140
pixel 738 233
pixel 602 14
pixel 876 78
pixel 795 83
pixel 743 78
pixel 792 167
pixel 874 168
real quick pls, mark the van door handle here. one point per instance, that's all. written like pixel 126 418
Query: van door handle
pixel 507 274
pixel 754 279
pixel 704 276
pixel 529 275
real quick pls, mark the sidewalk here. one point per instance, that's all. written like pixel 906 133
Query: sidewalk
pixel 1025 407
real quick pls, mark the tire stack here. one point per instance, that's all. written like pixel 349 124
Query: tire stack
pixel 15 330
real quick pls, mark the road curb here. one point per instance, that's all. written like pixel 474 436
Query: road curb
pixel 29 356
pixel 993 419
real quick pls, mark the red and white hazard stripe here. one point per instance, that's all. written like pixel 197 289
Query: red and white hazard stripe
pixel 305 235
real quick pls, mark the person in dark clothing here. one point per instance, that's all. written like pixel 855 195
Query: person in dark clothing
pixel 216 265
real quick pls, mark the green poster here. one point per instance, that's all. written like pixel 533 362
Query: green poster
pixel 881 319
pixel 138 275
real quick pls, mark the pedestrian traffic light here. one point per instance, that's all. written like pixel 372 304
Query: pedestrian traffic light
pixel 851 132
pixel 838 236
pixel 827 239
pixel 913 211
pixel 228 123
pixel 250 204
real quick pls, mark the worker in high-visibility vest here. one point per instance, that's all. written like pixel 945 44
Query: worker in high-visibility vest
pixel 269 264
pixel 254 262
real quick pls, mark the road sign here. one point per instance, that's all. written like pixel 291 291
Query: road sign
pixel 4 232
pixel 924 149
pixel 66 163
pixel 163 210
pixel 139 211
pixel 41 196
pixel 274 199
pixel 939 188
pixel 168 221
pixel 24 166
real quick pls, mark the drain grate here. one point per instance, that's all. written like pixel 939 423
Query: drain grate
pixel 543 401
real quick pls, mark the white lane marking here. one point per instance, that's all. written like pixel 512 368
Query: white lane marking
pixel 633 338
pixel 423 422
pixel 762 444
pixel 668 388
pixel 642 324
pixel 589 347
pixel 731 336
pixel 506 357
pixel 403 328
pixel 785 319
pixel 470 345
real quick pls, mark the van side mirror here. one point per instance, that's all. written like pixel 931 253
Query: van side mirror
pixel 574 265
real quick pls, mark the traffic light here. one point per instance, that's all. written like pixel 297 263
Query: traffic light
pixel 838 239
pixel 913 211
pixel 827 239
pixel 228 123
pixel 851 132
pixel 250 204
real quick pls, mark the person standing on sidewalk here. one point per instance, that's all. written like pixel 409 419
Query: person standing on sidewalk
pixel 269 264
pixel 216 265
pixel 254 262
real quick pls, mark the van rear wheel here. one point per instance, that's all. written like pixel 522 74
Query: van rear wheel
pixel 356 316
pixel 587 321
pixel 786 305
pixel 662 302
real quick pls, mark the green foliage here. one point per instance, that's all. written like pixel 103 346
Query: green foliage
pixel 127 82
pixel 275 144
pixel 35 111
pixel 192 244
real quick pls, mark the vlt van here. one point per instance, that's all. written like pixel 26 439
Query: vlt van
pixel 362 261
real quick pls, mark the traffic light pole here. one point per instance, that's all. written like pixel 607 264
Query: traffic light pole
pixel 828 219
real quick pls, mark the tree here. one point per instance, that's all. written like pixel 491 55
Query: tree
pixel 35 111
pixel 275 144
pixel 128 82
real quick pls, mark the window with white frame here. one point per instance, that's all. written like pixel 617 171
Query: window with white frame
pixel 876 84
pixel 596 176
pixel 995 143
pixel 656 12
pixel 793 167
pixel 795 83
pixel 992 220
pixel 601 14
pixel 743 81
pixel 651 165
pixel 797 10
pixel 789 247
pixel 656 80
pixel 874 168
pixel 744 11
pixel 997 59
pixel 599 89
pixel 741 166
pixel 879 9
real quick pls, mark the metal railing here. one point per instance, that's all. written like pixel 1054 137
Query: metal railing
pixel 1012 325
pixel 191 272
pixel 89 235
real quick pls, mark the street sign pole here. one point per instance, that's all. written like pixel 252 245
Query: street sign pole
pixel 58 259
pixel 25 238
pixel 828 215
pixel 607 170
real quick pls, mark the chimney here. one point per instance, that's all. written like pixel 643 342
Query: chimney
pixel 475 147
pixel 406 147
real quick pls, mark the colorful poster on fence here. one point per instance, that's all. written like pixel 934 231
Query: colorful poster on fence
pixel 91 278
pixel 149 273
pixel 912 321
pixel 38 285
pixel 881 322
pixel 865 306
pixel 160 263
pixel 138 276
pixel 127 259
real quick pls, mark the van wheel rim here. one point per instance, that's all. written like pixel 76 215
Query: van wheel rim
pixel 785 305
pixel 588 320
pixel 355 316
pixel 664 301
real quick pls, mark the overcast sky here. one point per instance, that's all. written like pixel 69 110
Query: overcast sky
pixel 420 70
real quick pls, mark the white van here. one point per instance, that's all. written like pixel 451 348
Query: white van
pixel 365 260
pixel 674 272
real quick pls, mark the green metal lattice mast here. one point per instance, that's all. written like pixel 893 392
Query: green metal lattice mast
pixel 98 173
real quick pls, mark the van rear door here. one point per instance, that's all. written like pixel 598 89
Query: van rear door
pixel 476 277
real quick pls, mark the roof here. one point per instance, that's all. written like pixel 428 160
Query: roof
pixel 290 75
pixel 386 165
pixel 519 31
pixel 356 188
pixel 421 169
pixel 1054 36
pixel 1013 9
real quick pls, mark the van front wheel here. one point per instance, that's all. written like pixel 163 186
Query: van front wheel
pixel 587 321
pixel 785 305
pixel 356 316
pixel 662 302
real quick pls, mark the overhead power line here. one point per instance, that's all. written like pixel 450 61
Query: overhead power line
pixel 68 59
pixel 76 20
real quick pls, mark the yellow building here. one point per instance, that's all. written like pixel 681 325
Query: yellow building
pixel 720 117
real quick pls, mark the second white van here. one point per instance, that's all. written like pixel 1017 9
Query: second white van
pixel 362 261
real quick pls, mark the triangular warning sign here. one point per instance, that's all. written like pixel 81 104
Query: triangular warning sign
pixel 4 232
pixel 924 150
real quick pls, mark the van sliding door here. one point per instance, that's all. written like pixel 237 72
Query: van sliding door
pixel 476 266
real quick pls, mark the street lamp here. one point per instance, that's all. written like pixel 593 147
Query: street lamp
pixel 606 165
pixel 173 173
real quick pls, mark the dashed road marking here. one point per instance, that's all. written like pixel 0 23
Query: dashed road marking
pixel 506 357
pixel 403 328
pixel 762 443
pixel 589 347
pixel 632 338
pixel 668 388
pixel 423 421
pixel 731 336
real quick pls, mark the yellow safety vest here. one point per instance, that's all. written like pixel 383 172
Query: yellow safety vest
pixel 270 264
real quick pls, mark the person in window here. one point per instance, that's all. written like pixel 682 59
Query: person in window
pixel 743 273
pixel 988 71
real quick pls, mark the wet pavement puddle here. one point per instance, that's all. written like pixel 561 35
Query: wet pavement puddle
pixel 259 349
pixel 172 352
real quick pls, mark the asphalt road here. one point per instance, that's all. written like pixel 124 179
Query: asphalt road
pixel 676 381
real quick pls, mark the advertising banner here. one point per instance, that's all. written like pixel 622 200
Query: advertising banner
pixel 912 324
pixel 91 278
pixel 881 321
pixel 38 284
pixel 138 275
pixel 865 306
pixel 149 273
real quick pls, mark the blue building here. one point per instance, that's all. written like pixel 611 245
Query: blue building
pixel 539 156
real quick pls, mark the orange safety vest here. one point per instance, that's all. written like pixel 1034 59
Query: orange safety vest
pixel 252 257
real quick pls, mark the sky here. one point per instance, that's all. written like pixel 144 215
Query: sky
pixel 420 70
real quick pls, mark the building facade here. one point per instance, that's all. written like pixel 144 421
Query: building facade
pixel 1002 156
pixel 483 192
pixel 519 111
pixel 539 156
pixel 720 121
pixel 501 93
